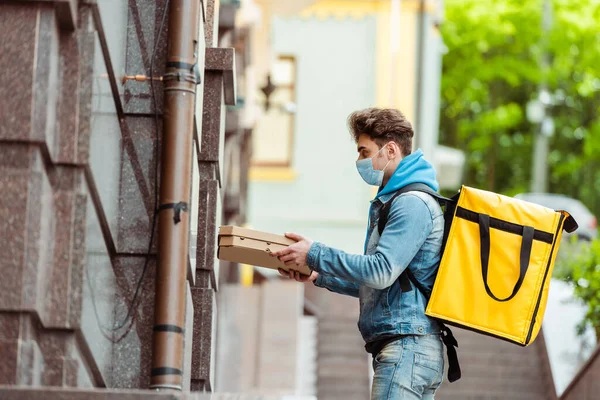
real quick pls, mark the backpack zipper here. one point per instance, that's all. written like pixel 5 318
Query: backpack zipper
pixel 537 306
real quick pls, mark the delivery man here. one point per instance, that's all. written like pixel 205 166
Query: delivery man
pixel 405 343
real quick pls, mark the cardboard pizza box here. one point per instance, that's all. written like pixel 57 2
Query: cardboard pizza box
pixel 252 247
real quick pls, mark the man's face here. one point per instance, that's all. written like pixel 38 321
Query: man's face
pixel 367 148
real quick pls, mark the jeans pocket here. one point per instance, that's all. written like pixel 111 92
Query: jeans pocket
pixel 427 361
pixel 427 371
pixel 390 354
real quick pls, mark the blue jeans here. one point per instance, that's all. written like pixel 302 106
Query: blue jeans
pixel 409 368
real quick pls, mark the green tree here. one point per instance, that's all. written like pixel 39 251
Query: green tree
pixel 578 263
pixel 492 70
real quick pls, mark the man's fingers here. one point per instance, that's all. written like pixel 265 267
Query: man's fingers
pixel 292 274
pixel 294 236
pixel 283 252
pixel 286 258
pixel 283 272
pixel 295 275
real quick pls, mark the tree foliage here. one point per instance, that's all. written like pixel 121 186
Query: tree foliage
pixel 491 70
pixel 579 265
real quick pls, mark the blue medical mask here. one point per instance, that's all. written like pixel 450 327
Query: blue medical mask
pixel 365 169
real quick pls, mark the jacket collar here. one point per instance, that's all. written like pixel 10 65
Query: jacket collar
pixel 384 198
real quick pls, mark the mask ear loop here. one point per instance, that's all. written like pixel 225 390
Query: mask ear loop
pixel 389 161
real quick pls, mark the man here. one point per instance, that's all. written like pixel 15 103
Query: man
pixel 405 343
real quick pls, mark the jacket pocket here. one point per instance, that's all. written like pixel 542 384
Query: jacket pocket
pixel 384 300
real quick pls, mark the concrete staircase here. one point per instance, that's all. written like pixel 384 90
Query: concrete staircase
pixel 343 366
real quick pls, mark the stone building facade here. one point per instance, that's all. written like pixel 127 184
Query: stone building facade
pixel 78 139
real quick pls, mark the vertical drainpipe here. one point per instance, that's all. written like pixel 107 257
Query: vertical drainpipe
pixel 179 83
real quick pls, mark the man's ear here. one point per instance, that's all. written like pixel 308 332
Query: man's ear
pixel 394 150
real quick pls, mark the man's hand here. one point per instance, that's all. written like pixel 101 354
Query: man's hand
pixel 295 254
pixel 298 276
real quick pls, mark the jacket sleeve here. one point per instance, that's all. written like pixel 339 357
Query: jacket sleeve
pixel 337 285
pixel 409 224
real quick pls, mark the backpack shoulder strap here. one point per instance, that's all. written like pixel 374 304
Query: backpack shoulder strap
pixel 413 187
pixel 418 285
pixel 384 215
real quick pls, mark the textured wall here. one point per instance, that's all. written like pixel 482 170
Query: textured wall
pixel 44 140
pixel 77 177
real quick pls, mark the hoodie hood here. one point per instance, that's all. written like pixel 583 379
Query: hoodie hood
pixel 412 169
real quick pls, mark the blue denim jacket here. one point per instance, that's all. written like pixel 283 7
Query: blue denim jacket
pixel 412 239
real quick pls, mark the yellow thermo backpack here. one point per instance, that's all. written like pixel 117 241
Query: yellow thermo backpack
pixel 497 259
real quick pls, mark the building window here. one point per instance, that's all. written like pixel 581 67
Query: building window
pixel 273 135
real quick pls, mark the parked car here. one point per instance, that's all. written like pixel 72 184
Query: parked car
pixel 585 219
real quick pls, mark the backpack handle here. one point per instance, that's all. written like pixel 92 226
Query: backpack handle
pixel 527 243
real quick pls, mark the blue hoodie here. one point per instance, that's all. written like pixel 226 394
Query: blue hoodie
pixel 412 169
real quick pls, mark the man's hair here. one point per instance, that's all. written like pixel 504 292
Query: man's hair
pixel 382 125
